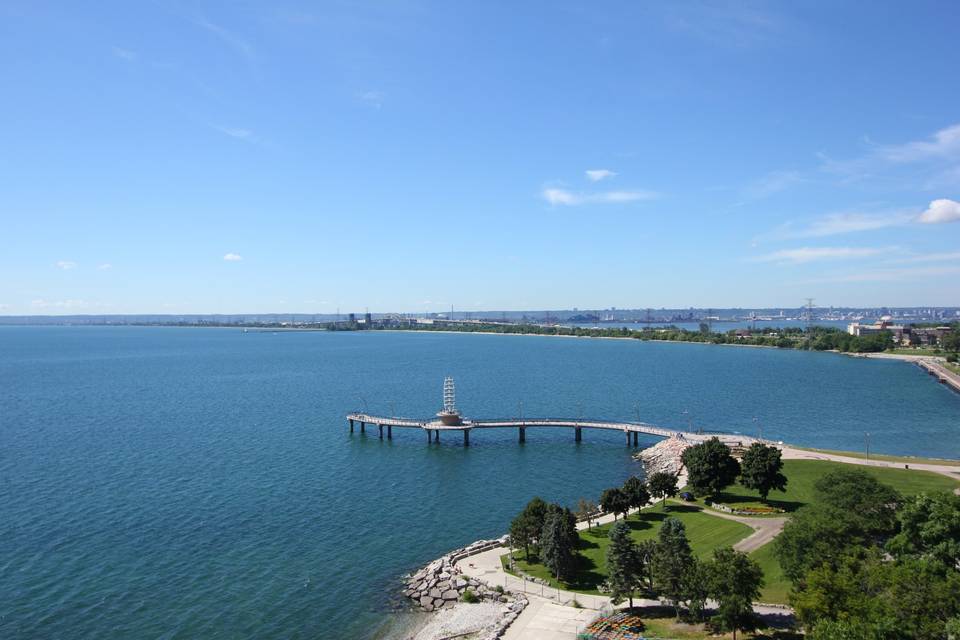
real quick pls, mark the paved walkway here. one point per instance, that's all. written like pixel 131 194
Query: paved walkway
pixel 764 528
pixel 789 453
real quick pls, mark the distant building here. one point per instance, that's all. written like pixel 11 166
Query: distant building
pixel 857 329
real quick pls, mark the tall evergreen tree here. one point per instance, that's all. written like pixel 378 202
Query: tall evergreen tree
pixel 622 564
pixel 672 561
pixel 557 542
pixel 761 469
pixel 646 550
pixel 710 467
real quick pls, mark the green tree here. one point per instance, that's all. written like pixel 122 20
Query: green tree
pixel 615 501
pixel 646 550
pixel 662 485
pixel 536 510
pixel 816 534
pixel 762 469
pixel 871 504
pixel 710 467
pixel 558 542
pixel 523 532
pixel 672 561
pixel 697 588
pixel 637 493
pixel 847 630
pixel 586 510
pixel 929 529
pixel 736 583
pixel 623 567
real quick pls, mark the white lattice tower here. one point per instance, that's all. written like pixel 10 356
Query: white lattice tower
pixel 449 396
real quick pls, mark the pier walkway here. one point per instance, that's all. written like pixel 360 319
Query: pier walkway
pixel 434 428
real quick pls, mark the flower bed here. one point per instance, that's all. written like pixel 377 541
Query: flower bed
pixel 619 626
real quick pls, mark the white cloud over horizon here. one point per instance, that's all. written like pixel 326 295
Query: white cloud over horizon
pixel 106 266
pixel 944 143
pixel 596 175
pixel 233 257
pixel 556 196
pixel 941 211
pixel 803 255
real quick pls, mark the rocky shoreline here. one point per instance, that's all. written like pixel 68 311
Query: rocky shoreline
pixel 441 585
pixel 665 457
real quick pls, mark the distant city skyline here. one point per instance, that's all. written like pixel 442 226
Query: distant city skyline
pixel 165 158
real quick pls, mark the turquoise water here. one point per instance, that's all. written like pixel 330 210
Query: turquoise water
pixel 181 483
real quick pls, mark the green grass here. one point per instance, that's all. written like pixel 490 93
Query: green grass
pixel 802 474
pixel 886 458
pixel 705 532
pixel 907 351
pixel 776 588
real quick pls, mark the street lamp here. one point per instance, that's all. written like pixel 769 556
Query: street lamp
pixel 866 443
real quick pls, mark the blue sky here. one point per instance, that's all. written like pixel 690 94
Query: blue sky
pixel 405 156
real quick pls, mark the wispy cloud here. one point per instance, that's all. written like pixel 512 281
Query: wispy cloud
pixel 233 257
pixel 238 133
pixel 943 144
pixel 372 98
pixel 106 266
pixel 65 304
pixel 941 211
pixel 596 175
pixel 839 223
pixel 124 54
pixel 773 182
pixel 232 40
pixel 953 256
pixel 804 255
pixel 905 274
pixel 66 265
pixel 556 196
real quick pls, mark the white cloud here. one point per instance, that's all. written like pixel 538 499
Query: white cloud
pixel 233 257
pixel 772 183
pixel 66 265
pixel 931 257
pixel 940 211
pixel 372 98
pixel 596 175
pixel 840 223
pixel 804 255
pixel 124 54
pixel 61 304
pixel 557 196
pixel 237 132
pixel 106 266
pixel 945 143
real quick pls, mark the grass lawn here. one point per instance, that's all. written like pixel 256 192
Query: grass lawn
pixel 802 474
pixel 705 532
pixel 953 366
pixel 907 351
pixel 776 589
pixel 875 456
pixel 660 622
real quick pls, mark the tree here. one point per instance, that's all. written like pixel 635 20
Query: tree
pixel 696 588
pixel 558 541
pixel 871 504
pixel 662 485
pixel 615 501
pixel 636 490
pixel 523 532
pixel 671 561
pixel 736 583
pixel 761 469
pixel 815 535
pixel 929 529
pixel 847 630
pixel 710 467
pixel 646 550
pixel 536 510
pixel 586 510
pixel 623 567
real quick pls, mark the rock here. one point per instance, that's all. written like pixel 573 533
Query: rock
pixel 451 594
pixel 438 604
pixel 460 583
pixel 435 593
pixel 425 601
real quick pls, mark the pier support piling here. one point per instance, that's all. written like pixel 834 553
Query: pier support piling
pixel 381 431
pixel 351 426
pixel 429 436
pixel 628 437
pixel 436 435
pixel 363 427
pixel 635 435
pixel 523 435
pixel 389 432
pixel 578 434
pixel 466 437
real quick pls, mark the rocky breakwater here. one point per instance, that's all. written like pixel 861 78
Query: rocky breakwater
pixel 665 457
pixel 441 585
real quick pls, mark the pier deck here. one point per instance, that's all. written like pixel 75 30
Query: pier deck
pixel 435 427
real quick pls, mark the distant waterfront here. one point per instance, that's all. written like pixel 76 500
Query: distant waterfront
pixel 174 480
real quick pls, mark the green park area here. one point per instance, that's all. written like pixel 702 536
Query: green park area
pixel 707 532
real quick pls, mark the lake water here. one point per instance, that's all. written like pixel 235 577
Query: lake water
pixel 182 483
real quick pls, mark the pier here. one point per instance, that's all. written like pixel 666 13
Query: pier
pixel 449 421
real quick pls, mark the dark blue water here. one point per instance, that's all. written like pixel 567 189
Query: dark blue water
pixel 181 483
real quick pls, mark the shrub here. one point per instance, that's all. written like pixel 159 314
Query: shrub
pixel 498 589
pixel 469 596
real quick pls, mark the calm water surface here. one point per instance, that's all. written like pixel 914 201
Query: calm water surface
pixel 181 483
